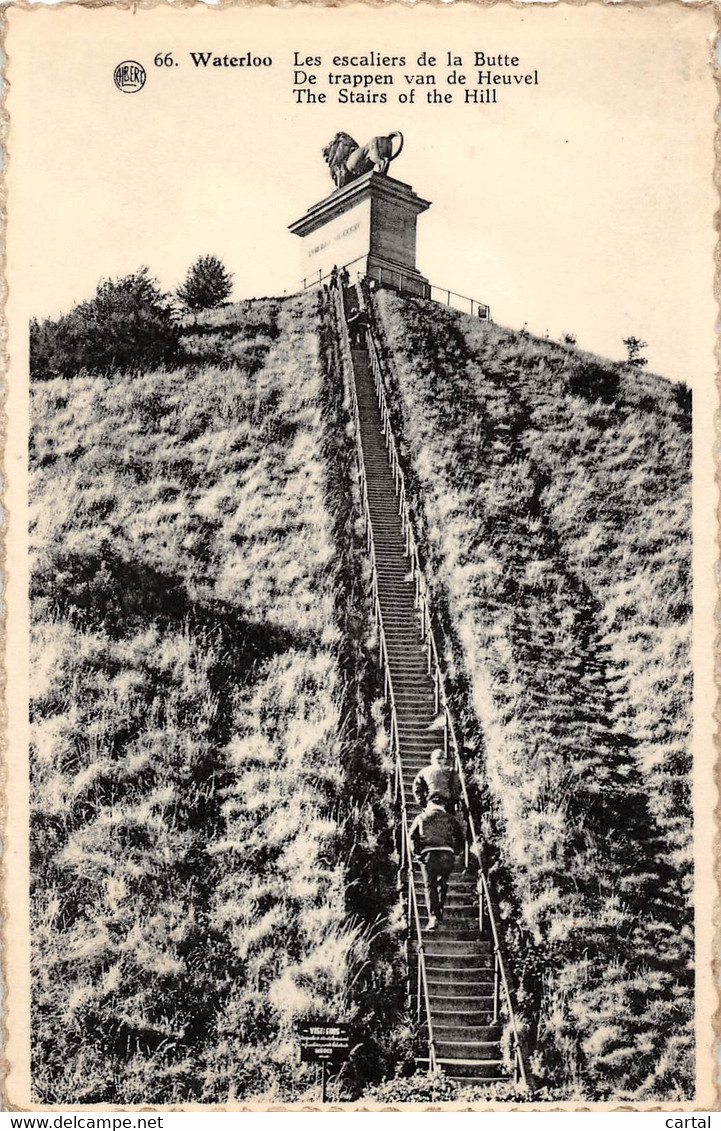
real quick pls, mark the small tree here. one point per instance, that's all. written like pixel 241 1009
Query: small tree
pixel 634 347
pixel 207 284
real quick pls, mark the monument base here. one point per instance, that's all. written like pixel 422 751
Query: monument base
pixel 369 227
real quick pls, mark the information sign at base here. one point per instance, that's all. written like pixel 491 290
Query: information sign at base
pixel 323 1041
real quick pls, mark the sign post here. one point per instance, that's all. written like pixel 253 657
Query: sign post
pixel 323 1042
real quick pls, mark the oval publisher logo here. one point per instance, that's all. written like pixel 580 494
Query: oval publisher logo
pixel 129 76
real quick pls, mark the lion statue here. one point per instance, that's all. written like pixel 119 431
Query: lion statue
pixel 348 160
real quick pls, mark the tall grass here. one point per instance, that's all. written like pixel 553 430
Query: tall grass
pixel 552 495
pixel 200 788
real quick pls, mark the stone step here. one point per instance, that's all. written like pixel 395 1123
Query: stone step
pixel 434 945
pixel 482 1081
pixel 471 1002
pixel 420 727
pixel 460 934
pixel 412 668
pixel 460 960
pixel 397 649
pixel 484 1052
pixel 468 988
pixel 459 926
pixel 410 655
pixel 447 1031
pixel 459 907
pixel 399 613
pixel 418 744
pixel 458 1014
pixel 415 728
pixel 406 636
pixel 461 889
pixel 417 756
pixel 412 767
pixel 477 974
pixel 486 1072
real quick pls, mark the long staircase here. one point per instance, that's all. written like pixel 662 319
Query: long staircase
pixel 454 976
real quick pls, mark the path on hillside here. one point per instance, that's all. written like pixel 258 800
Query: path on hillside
pixel 458 959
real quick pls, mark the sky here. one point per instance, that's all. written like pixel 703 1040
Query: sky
pixel 582 205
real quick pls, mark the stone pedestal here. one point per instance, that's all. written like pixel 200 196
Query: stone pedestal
pixel 368 226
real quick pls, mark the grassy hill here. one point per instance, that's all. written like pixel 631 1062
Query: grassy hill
pixel 205 782
pixel 551 491
pixel 210 837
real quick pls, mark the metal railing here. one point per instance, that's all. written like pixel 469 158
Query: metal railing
pixel 406 850
pixel 481 309
pixel 450 742
pixel 387 276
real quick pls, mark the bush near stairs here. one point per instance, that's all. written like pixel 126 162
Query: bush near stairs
pixel 552 494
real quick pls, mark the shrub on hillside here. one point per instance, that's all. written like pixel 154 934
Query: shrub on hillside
pixel 207 284
pixel 128 325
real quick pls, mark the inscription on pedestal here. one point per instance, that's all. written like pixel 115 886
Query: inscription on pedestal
pixel 344 240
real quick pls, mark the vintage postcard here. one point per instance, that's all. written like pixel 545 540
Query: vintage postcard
pixel 361 529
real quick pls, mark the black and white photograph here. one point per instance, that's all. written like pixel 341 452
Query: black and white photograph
pixel 360 557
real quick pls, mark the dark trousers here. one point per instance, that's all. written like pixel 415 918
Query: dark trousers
pixel 436 866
